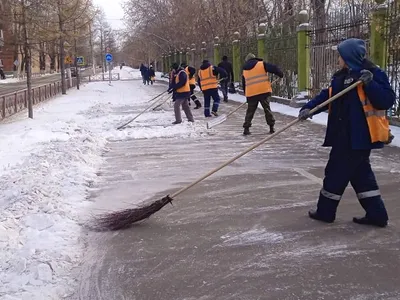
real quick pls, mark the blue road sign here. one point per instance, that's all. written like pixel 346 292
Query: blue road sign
pixel 109 57
pixel 80 61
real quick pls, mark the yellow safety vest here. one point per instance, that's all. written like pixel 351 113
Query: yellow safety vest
pixel 257 81
pixel 186 87
pixel 207 79
pixel 192 81
pixel 378 124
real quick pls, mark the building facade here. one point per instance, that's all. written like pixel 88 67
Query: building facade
pixel 6 47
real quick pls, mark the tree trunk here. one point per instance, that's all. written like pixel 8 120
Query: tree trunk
pixel 28 61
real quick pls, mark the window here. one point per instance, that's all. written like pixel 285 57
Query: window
pixel 1 38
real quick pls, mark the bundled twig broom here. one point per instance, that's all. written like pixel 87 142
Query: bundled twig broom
pixel 125 218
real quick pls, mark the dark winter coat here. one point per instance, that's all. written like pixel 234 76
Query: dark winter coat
pixel 216 71
pixel 227 66
pixel 151 73
pixel 192 72
pixel 175 86
pixel 143 70
pixel 269 68
pixel 347 124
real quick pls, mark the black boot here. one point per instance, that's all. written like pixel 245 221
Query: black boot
pixel 271 129
pixel 225 98
pixel 215 113
pixel 246 131
pixel 366 221
pixel 198 104
pixel 176 122
pixel 313 214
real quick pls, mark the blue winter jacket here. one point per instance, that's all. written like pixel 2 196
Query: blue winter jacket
pixel 182 81
pixel 347 125
pixel 216 71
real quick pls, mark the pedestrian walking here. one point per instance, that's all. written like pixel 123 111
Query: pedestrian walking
pixel 144 72
pixel 152 75
pixel 191 72
pixel 227 66
pixel 208 83
pixel 257 89
pixel 357 124
pixel 2 75
pixel 180 88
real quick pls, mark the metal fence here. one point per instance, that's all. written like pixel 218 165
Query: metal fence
pixel 15 102
pixel 393 57
pixel 340 24
pixel 282 51
pixel 102 77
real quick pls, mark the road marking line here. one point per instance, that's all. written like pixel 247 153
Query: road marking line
pixel 309 176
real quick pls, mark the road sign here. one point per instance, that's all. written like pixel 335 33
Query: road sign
pixel 109 57
pixel 80 60
pixel 68 60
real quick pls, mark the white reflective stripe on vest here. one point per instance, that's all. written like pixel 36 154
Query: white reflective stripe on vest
pixel 330 195
pixel 378 113
pixel 255 82
pixel 368 194
pixel 365 102
pixel 256 77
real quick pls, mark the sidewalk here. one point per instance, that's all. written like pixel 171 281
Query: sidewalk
pixel 243 233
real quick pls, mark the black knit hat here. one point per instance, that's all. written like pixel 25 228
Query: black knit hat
pixel 175 66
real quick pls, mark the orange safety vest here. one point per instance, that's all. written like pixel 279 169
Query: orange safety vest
pixel 257 81
pixel 192 80
pixel 207 79
pixel 186 87
pixel 378 124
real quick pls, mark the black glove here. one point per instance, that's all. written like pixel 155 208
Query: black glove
pixel 366 76
pixel 304 114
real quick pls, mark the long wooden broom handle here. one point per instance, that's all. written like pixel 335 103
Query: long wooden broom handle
pixel 159 95
pixel 137 116
pixel 241 105
pixel 266 139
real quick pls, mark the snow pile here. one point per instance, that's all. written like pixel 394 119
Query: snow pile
pixel 47 165
pixel 321 118
pixel 127 73
pixel 9 80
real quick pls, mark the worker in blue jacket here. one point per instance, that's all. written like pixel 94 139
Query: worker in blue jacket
pixel 208 83
pixel 357 124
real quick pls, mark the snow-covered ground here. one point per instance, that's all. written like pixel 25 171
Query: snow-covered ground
pixel 321 118
pixel 47 165
pixel 10 79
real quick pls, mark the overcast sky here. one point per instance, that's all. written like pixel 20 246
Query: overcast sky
pixel 113 10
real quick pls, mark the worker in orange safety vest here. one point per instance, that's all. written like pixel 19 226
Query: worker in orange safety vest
pixel 257 89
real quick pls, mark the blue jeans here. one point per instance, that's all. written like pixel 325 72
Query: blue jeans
pixel 208 94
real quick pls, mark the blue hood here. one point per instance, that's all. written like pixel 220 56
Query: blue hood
pixel 353 52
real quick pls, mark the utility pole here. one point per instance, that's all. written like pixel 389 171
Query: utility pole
pixel 62 50
pixel 91 48
pixel 28 67
pixel 76 55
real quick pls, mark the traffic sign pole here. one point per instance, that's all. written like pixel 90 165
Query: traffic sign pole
pixel 109 59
